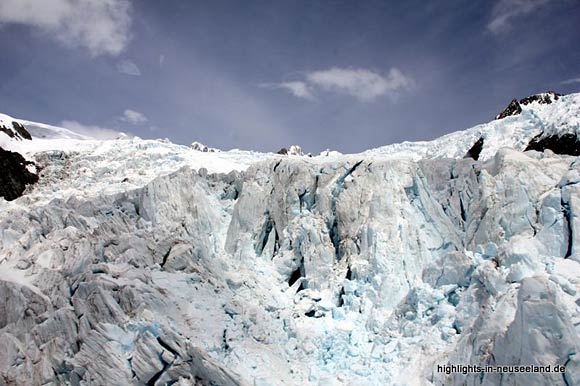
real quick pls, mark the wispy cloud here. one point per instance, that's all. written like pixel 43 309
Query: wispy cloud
pixel 91 130
pixel 297 88
pixel 133 117
pixel 505 12
pixel 128 67
pixel 362 84
pixel 103 26
pixel 570 81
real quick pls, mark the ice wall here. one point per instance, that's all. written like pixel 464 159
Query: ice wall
pixel 297 271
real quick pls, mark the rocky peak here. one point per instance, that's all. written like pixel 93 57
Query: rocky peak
pixel 198 146
pixel 515 106
pixel 545 98
pixel 293 150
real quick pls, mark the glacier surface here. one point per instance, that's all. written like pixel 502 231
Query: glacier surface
pixel 142 262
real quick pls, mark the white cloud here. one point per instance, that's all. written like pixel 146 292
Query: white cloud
pixel 133 117
pixel 128 67
pixel 91 131
pixel 101 26
pixel 571 81
pixel 505 11
pixel 297 88
pixel 362 84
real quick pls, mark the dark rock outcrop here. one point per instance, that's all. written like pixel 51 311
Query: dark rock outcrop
pixel 560 144
pixel 544 98
pixel 7 131
pixel 515 106
pixel 21 130
pixel 292 150
pixel 18 131
pixel 203 148
pixel 14 174
pixel 475 150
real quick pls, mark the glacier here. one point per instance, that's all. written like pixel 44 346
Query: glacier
pixel 143 262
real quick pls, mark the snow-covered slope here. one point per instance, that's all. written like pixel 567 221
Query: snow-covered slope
pixel 10 137
pixel 514 132
pixel 144 262
pixel 43 137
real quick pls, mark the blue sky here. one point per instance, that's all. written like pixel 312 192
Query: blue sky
pixel 338 74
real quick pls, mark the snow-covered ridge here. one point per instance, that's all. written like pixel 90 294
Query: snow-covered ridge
pixel 41 130
pixel 515 106
pixel 293 150
pixel 515 132
pixel 44 131
pixel 560 117
pixel 198 146
pixel 116 165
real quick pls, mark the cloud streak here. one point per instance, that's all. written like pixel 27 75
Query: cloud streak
pixel 362 84
pixel 134 117
pixel 101 26
pixel 571 81
pixel 297 88
pixel 128 67
pixel 504 13
pixel 91 130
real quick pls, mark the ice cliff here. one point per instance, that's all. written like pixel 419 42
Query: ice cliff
pixel 142 262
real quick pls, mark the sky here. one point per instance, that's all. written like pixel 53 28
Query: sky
pixel 346 75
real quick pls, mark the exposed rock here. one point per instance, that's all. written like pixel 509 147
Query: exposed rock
pixel 475 150
pixel 515 106
pixel 7 131
pixel 543 98
pixel 16 173
pixel 198 146
pixel 21 130
pixel 293 150
pixel 558 143
pixel 18 131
